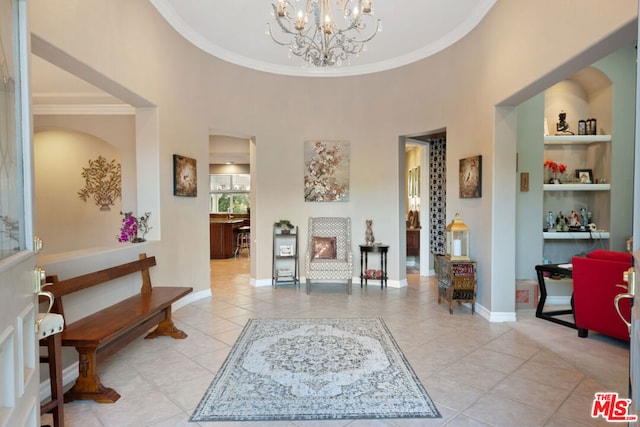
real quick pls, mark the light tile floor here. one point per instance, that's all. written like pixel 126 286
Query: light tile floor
pixel 527 373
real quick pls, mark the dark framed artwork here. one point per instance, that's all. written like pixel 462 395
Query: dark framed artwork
pixel 585 176
pixel 185 176
pixel 470 177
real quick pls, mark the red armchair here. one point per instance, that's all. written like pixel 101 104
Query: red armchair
pixel 594 288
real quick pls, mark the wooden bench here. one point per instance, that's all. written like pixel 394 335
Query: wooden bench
pixel 104 332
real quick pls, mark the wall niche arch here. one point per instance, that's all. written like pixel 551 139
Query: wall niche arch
pixel 64 221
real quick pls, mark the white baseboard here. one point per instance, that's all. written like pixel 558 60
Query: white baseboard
pixel 69 375
pixel 192 297
pixel 356 281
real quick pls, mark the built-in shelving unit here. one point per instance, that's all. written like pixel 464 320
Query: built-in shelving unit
pixel 578 151
pixel 285 262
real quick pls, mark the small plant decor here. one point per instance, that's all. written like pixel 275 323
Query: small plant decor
pixel 284 225
pixel 132 226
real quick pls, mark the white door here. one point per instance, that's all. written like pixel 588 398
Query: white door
pixel 19 371
pixel 634 356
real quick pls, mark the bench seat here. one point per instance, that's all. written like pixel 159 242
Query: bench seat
pixel 108 325
pixel 103 333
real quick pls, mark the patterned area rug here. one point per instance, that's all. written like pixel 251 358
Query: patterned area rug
pixel 314 369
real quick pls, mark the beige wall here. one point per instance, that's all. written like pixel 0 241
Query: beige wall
pixel 516 52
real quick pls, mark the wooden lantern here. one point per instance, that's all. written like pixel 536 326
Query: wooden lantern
pixel 458 240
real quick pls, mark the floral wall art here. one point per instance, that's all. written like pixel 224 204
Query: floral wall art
pixel 103 182
pixel 326 171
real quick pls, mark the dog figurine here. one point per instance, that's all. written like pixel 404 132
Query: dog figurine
pixel 368 234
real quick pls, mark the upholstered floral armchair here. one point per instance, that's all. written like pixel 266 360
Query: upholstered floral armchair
pixel 329 255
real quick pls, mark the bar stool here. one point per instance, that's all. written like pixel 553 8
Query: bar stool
pixel 243 239
pixel 48 328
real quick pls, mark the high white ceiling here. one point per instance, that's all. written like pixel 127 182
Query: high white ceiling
pixel 235 31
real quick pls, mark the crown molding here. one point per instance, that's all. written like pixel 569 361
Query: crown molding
pixel 79 109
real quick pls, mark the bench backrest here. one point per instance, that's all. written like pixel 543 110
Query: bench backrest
pixel 60 288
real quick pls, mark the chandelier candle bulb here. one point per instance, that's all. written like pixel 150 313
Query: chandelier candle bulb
pixel 300 22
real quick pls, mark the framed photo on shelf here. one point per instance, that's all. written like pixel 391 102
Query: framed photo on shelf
pixel 585 176
pixel 286 250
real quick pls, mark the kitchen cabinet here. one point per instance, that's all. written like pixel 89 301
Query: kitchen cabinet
pixel 413 242
pixel 222 237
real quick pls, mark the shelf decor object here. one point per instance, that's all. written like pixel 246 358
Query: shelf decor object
pixel 585 176
pixel 576 189
pixel 457 240
pixel 284 225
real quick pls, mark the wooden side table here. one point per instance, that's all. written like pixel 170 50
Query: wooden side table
pixel 457 282
pixel 365 273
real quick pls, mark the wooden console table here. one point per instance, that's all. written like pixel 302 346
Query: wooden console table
pixel 457 282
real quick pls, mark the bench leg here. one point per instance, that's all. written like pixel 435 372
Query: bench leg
pixel 54 359
pixel 88 385
pixel 166 328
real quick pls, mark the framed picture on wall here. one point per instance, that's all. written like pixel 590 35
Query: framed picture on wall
pixel 185 176
pixel 326 171
pixel 470 177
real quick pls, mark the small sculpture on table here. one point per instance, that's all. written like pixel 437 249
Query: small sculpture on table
pixel 368 234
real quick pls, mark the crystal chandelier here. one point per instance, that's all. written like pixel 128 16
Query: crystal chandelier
pixel 324 42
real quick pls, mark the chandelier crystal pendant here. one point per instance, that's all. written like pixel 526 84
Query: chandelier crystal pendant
pixel 317 37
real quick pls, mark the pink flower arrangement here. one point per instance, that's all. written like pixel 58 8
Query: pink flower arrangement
pixel 131 225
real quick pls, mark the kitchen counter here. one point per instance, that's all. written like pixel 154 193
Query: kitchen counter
pixel 226 220
pixel 222 236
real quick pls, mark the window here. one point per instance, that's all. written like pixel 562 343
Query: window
pixel 12 107
pixel 230 193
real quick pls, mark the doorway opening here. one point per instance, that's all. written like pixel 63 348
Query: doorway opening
pixel 425 200
pixel 231 197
